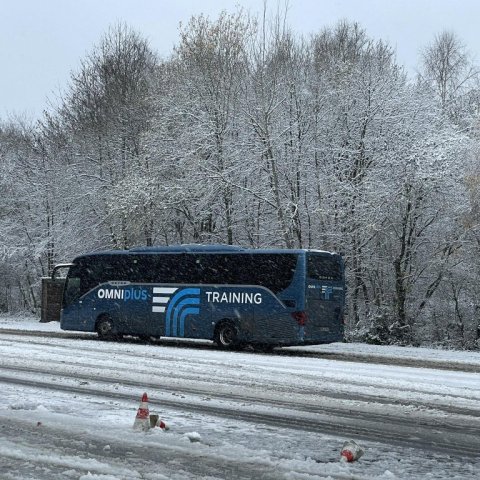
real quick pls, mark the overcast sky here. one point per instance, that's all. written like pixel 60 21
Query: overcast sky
pixel 42 41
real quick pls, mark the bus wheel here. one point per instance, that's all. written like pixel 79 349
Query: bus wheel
pixel 225 335
pixel 105 328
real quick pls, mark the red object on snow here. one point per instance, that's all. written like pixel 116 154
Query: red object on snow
pixel 347 455
pixel 162 425
pixel 351 451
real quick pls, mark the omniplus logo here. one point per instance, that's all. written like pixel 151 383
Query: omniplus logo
pixel 176 304
pixel 125 294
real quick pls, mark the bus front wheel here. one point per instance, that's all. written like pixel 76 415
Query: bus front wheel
pixel 105 328
pixel 225 335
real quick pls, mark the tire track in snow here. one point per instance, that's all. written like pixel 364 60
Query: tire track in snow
pixel 451 439
pixel 282 352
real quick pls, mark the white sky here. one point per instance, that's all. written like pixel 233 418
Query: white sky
pixel 42 41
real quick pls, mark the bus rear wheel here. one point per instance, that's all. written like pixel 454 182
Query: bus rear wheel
pixel 226 335
pixel 105 328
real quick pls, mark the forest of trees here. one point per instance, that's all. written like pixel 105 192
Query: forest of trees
pixel 250 134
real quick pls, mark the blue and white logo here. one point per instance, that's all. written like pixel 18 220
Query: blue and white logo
pixel 176 304
pixel 327 292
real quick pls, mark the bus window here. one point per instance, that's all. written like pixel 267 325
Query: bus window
pixel 272 271
pixel 323 267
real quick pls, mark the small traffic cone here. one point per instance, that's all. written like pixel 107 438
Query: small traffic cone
pixel 142 420
pixel 351 451
pixel 162 425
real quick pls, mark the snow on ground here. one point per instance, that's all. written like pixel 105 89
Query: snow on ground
pixel 359 349
pixel 389 351
pixel 101 427
pixel 30 323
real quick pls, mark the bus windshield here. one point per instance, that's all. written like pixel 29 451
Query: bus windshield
pixel 72 290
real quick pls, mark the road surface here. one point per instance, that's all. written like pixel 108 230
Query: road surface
pixel 69 404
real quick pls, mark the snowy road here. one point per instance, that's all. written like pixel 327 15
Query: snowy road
pixel 68 405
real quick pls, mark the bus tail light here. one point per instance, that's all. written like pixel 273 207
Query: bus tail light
pixel 300 317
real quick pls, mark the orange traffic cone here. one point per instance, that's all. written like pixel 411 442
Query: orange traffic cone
pixel 142 420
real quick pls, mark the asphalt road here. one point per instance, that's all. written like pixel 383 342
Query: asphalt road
pixel 84 369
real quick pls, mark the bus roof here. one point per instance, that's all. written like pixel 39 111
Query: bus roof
pixel 198 248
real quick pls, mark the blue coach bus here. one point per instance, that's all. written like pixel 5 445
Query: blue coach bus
pixel 231 295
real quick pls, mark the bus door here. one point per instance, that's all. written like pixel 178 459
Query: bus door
pixel 71 304
pixel 324 298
